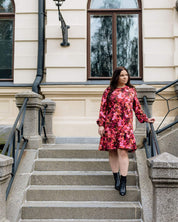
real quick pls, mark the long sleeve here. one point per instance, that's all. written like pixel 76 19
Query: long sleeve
pixel 102 113
pixel 141 116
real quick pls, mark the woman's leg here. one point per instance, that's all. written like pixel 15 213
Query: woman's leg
pixel 114 163
pixel 114 160
pixel 124 165
pixel 123 161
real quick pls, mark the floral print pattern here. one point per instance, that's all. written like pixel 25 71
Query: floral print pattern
pixel 117 119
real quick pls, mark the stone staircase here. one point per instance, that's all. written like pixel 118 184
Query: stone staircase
pixel 75 183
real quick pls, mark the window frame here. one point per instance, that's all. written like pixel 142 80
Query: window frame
pixel 114 13
pixel 10 15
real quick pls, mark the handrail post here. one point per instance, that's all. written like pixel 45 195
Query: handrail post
pixel 30 128
pixel 176 90
pixel 149 92
pixel 5 173
pixel 51 105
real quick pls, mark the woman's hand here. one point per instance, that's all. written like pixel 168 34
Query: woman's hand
pixel 101 130
pixel 151 120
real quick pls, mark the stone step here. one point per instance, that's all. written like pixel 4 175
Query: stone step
pixel 73 151
pixel 49 164
pixel 80 193
pixel 81 210
pixel 80 220
pixel 78 178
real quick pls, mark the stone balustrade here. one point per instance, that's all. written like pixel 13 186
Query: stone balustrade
pixel 5 173
pixel 163 172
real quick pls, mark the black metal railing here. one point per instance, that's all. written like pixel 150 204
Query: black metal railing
pixel 158 130
pixel 150 142
pixel 16 143
pixel 41 123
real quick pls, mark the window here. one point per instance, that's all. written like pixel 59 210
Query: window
pixel 114 37
pixel 6 39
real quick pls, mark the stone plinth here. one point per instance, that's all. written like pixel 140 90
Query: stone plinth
pixel 149 92
pixel 31 117
pixel 49 120
pixel 163 171
pixel 176 88
pixel 5 173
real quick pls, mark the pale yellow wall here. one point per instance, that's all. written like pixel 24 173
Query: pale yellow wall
pixel 77 106
pixel 8 109
pixel 26 40
pixel 69 64
pixel 66 64
pixel 77 109
pixel 160 34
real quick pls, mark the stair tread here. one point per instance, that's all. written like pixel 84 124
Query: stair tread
pixel 76 159
pixel 78 173
pixel 78 201
pixel 83 204
pixel 81 220
pixel 75 187
pixel 68 147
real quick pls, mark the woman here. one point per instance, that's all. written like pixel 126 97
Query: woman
pixel 116 124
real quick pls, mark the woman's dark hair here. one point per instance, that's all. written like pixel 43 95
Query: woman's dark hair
pixel 114 81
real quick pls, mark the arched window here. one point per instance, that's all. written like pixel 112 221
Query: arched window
pixel 7 14
pixel 114 37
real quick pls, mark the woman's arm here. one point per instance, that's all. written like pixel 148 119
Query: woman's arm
pixel 141 116
pixel 103 106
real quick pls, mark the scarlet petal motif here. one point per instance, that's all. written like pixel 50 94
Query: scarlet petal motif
pixel 117 118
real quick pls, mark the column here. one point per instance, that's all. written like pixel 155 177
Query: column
pixel 31 117
pixel 149 92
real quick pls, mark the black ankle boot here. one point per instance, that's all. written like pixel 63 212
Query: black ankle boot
pixel 117 180
pixel 123 185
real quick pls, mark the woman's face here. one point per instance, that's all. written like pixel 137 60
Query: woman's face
pixel 123 78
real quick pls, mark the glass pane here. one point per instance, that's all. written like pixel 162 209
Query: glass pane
pixel 6 43
pixel 127 43
pixel 101 46
pixel 6 6
pixel 113 4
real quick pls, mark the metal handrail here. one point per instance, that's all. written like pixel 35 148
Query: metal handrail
pixel 158 130
pixel 165 87
pixel 15 139
pixel 151 143
pixel 41 123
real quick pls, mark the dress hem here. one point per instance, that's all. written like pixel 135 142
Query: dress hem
pixel 129 150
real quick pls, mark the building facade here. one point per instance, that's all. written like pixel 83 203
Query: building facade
pixel 141 35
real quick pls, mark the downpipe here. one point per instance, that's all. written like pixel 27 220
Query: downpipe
pixel 41 45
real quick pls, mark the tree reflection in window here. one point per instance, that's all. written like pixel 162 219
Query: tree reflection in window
pixel 6 6
pixel 6 43
pixel 6 38
pixel 113 4
pixel 101 46
pixel 115 37
pixel 127 42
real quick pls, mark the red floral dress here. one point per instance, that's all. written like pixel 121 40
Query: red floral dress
pixel 117 119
